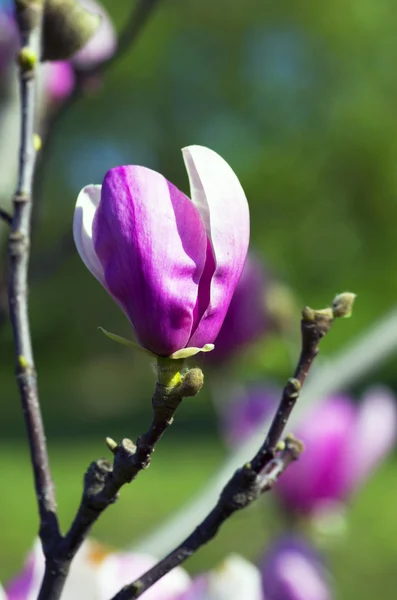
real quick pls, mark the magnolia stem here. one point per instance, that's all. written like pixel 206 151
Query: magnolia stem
pixel 255 477
pixel 18 252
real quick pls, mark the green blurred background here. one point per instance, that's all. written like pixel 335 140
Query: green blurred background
pixel 301 100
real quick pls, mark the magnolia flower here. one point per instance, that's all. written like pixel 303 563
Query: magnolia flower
pixel 344 442
pixel 171 263
pixel 234 579
pixel 247 317
pixel 292 570
pixel 96 574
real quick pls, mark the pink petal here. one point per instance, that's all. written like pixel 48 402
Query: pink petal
pixel 87 203
pixel 26 585
pixel 372 437
pixel 121 568
pixel 151 242
pixel 219 197
pixel 318 475
pixel 58 80
pixel 300 578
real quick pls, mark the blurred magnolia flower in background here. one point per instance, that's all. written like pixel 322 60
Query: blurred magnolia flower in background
pixel 234 579
pixel 56 83
pixel 344 442
pixel 173 275
pixel 247 318
pixel 292 570
pixel 103 43
pixel 248 407
pixel 8 40
pixel 96 574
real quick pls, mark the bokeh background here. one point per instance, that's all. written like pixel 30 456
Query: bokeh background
pixel 301 100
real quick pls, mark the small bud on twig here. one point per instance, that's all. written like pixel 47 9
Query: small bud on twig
pixel 111 444
pixel 192 382
pixel 342 305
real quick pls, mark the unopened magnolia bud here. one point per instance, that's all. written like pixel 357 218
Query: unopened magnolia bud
pixel 67 28
pixel 342 305
pixel 192 382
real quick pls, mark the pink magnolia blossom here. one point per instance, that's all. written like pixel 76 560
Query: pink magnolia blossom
pixel 293 570
pixel 344 442
pixel 171 263
pixel 96 574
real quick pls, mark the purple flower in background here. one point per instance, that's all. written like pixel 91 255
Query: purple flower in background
pixel 171 263
pixel 247 318
pixel 234 579
pixel 96 574
pixel 250 406
pixel 103 43
pixel 292 570
pixel 344 442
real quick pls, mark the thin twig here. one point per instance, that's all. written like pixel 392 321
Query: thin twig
pixel 103 480
pixel 5 216
pixel 18 252
pixel 255 477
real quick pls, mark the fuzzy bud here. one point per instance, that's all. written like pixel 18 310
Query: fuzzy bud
pixel 343 304
pixel 192 382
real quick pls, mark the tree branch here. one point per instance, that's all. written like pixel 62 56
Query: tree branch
pixel 18 253
pixel 255 477
pixel 5 216
pixel 103 480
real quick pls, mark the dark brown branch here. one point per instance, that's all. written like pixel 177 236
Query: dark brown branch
pixel 5 216
pixel 18 253
pixel 255 477
pixel 103 480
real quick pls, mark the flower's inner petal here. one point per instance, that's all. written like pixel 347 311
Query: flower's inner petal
pixel 152 245
pixel 86 206
pixel 219 197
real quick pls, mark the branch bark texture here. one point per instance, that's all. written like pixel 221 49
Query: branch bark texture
pixel 255 477
pixel 103 480
pixel 18 254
